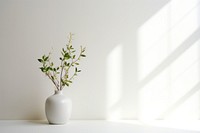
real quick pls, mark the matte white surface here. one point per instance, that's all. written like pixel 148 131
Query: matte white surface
pixel 142 57
pixel 99 127
pixel 58 108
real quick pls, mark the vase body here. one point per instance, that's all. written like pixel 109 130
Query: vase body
pixel 58 108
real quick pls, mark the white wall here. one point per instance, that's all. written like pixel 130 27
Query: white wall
pixel 142 57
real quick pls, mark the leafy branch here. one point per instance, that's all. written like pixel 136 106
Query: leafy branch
pixel 69 60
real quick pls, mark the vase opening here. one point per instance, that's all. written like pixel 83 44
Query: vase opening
pixel 59 92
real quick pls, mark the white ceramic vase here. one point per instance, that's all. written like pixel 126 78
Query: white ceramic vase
pixel 58 108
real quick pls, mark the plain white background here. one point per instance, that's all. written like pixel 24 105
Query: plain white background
pixel 142 57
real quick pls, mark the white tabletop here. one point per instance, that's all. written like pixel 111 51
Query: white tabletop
pixel 99 126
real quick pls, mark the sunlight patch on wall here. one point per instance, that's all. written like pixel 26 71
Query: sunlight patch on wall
pixel 169 67
pixel 185 71
pixel 184 96
pixel 152 50
pixel 183 21
pixel 153 97
pixel 163 33
pixel 153 41
pixel 114 83
pixel 174 92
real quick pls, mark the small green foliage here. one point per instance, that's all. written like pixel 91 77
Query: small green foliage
pixel 40 60
pixel 83 55
pixel 60 75
pixel 67 56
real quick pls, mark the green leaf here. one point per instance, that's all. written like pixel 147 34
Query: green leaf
pixel 67 56
pixel 42 69
pixel 46 58
pixel 76 69
pixel 66 76
pixel 40 60
pixel 77 63
pixel 69 81
pixel 67 84
pixel 43 57
pixel 68 48
pixel 65 63
pixel 83 55
pixel 79 71
pixel 48 68
pixel 74 56
pixel 63 50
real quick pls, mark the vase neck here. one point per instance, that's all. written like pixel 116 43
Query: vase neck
pixel 59 92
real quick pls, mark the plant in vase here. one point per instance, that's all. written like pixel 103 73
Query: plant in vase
pixel 58 107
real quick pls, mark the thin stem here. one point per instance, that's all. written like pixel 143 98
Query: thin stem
pixel 54 74
pixel 52 81
pixel 55 77
pixel 72 76
pixel 67 70
pixel 61 71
